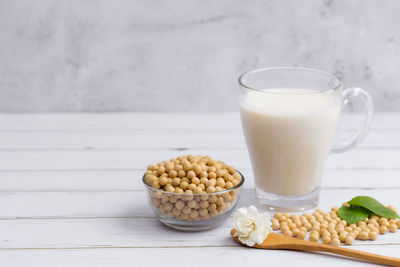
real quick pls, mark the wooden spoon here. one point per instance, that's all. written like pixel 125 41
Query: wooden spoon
pixel 278 241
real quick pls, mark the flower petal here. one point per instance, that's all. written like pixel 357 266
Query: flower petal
pixel 252 212
pixel 251 227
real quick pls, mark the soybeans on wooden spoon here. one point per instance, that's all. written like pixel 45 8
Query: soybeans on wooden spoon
pixel 278 241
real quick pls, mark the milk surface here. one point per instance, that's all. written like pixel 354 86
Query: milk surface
pixel 288 134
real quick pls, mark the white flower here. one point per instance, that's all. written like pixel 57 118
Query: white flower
pixel 251 227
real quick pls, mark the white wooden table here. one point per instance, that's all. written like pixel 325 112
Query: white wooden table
pixel 71 191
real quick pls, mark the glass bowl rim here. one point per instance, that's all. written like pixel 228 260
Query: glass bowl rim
pixel 197 194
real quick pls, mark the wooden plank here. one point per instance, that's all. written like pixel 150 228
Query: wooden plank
pixel 361 178
pixel 104 232
pixel 156 121
pixel 103 180
pixel 120 140
pixel 154 140
pixel 120 232
pixel 71 180
pixel 210 256
pixel 134 204
pixel 118 121
pixel 100 160
pixel 139 159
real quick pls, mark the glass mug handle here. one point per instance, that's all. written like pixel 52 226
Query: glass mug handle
pixel 368 109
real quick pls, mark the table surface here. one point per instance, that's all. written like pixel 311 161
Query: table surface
pixel 71 191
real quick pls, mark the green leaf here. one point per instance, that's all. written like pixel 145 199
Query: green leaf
pixel 353 214
pixel 374 206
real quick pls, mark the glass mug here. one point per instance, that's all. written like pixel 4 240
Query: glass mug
pixel 289 118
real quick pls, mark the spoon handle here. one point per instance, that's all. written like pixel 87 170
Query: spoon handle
pixel 349 253
pixel 278 241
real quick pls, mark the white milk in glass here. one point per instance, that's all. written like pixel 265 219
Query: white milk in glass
pixel 288 133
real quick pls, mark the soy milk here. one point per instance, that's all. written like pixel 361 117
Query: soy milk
pixel 288 133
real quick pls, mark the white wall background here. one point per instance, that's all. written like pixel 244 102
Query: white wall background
pixel 117 55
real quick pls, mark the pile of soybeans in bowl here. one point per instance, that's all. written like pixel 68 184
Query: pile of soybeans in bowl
pixel 330 228
pixel 192 192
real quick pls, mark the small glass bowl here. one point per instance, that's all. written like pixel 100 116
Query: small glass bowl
pixel 194 212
